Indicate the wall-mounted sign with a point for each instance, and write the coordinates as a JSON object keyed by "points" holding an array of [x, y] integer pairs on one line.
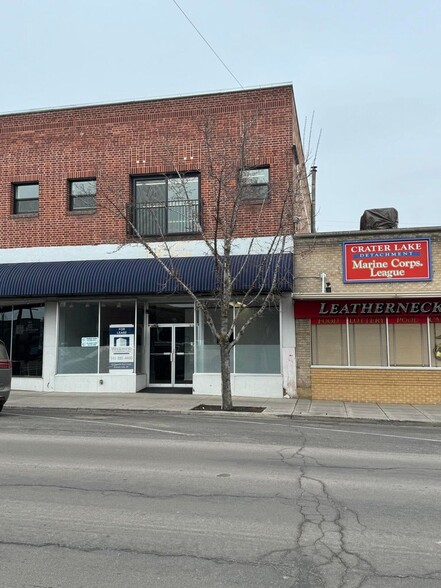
{"points": [[89, 341], [403, 260], [360, 310], [121, 348]]}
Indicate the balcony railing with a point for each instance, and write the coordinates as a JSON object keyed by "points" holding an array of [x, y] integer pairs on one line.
{"points": [[153, 219]]}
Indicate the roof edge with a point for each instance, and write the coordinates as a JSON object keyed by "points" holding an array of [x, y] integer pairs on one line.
{"points": [[141, 100], [375, 232]]}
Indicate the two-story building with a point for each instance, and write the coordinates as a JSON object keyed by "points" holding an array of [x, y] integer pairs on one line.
{"points": [[90, 196]]}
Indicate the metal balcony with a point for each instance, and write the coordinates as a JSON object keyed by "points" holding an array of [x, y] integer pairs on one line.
{"points": [[157, 219]]}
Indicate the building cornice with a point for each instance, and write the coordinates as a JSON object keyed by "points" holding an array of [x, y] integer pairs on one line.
{"points": [[360, 235]]}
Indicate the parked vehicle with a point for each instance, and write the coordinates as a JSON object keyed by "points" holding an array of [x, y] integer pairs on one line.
{"points": [[5, 374]]}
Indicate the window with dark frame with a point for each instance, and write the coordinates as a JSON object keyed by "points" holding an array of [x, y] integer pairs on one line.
{"points": [[26, 198], [82, 194], [254, 183], [166, 205]]}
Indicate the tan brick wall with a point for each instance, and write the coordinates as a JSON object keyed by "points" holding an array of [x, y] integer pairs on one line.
{"points": [[319, 253], [391, 386], [303, 357]]}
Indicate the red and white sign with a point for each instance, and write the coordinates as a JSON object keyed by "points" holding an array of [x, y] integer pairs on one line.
{"points": [[405, 260], [367, 311]]}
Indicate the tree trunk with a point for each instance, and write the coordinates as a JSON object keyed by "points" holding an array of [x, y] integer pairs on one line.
{"points": [[227, 402]]}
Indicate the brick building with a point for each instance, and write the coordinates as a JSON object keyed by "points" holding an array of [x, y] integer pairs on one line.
{"points": [[80, 185], [368, 309]]}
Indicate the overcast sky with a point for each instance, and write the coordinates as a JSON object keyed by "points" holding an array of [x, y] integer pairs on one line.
{"points": [[368, 69]]}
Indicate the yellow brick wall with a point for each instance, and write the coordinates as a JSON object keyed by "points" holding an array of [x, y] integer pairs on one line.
{"points": [[391, 386], [303, 357], [314, 254]]}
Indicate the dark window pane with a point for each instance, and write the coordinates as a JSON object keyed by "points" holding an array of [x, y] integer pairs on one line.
{"points": [[26, 198], [83, 202], [255, 183], [28, 206], [78, 338], [150, 191], [5, 326], [27, 340], [170, 313], [82, 194], [168, 205], [255, 192]]}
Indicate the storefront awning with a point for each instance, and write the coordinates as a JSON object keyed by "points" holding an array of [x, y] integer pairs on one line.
{"points": [[138, 276]]}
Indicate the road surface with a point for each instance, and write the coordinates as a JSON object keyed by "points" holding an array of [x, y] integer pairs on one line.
{"points": [[201, 501]]}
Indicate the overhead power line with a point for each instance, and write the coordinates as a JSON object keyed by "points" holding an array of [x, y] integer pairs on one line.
{"points": [[207, 43]]}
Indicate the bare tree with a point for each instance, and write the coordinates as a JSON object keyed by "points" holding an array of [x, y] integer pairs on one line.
{"points": [[240, 191]]}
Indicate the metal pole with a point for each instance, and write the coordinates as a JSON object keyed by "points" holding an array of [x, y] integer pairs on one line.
{"points": [[313, 175]]}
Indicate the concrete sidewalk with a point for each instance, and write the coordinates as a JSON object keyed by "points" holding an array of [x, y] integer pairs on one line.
{"points": [[184, 403]]}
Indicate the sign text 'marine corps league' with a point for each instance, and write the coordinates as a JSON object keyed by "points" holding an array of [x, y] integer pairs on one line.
{"points": [[404, 260]]}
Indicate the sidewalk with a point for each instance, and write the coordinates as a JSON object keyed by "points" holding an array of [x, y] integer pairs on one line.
{"points": [[184, 403]]}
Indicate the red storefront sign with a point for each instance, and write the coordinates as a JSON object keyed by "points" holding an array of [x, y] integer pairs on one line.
{"points": [[405, 260], [368, 311]]}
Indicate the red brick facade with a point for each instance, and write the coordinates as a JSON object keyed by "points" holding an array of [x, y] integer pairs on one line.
{"points": [[113, 143]]}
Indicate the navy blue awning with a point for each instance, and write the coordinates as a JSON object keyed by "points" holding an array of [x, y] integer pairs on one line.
{"points": [[138, 276]]}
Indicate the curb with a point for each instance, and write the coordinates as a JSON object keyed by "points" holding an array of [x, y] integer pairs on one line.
{"points": [[222, 414]]}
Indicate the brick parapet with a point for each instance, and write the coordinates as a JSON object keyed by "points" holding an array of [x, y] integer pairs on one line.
{"points": [[118, 141]]}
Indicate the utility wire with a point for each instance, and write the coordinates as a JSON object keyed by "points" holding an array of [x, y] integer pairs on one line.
{"points": [[207, 43]]}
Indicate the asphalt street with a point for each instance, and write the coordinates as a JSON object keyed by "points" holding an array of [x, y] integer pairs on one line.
{"points": [[193, 501]]}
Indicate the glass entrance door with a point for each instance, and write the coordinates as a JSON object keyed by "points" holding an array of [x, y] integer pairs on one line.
{"points": [[171, 355]]}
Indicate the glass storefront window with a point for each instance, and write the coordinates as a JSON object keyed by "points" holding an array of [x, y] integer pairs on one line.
{"points": [[207, 349], [78, 338], [170, 313], [140, 357], [258, 350], [83, 347], [27, 340], [113, 313], [6, 326]]}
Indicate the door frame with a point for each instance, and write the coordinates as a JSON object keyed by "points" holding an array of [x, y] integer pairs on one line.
{"points": [[173, 326]]}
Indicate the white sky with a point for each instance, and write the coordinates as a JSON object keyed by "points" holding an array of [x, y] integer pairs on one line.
{"points": [[369, 69]]}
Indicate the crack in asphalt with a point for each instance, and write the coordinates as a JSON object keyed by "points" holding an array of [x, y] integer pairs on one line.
{"points": [[321, 545], [140, 552], [109, 491]]}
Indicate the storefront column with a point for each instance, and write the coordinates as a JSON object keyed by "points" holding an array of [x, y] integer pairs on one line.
{"points": [[288, 338], [50, 346]]}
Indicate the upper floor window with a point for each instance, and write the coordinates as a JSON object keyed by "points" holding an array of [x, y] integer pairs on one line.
{"points": [[82, 194], [26, 198], [255, 183], [165, 205]]}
